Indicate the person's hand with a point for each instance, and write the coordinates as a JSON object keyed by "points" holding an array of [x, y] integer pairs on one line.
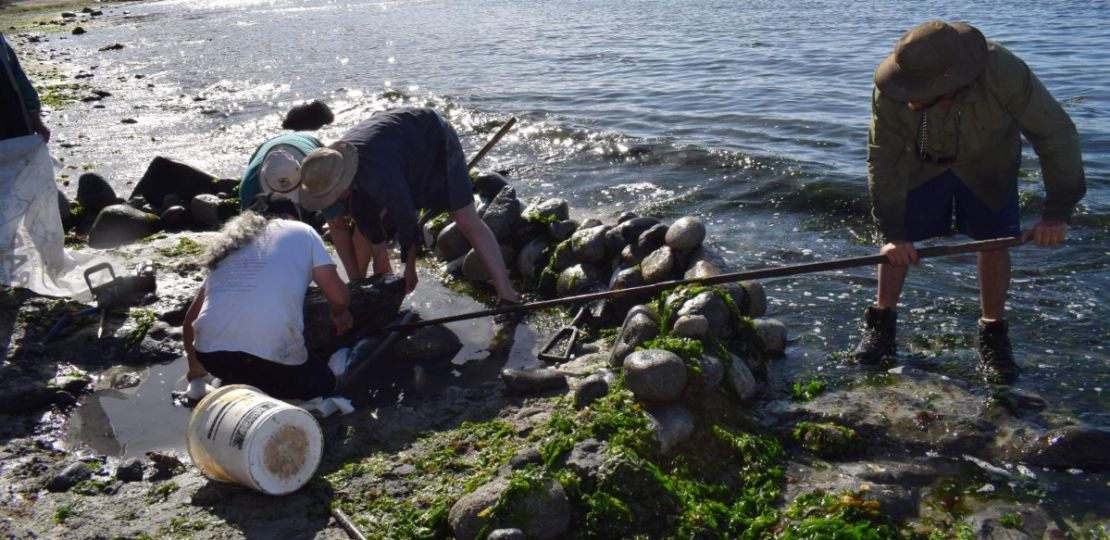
{"points": [[343, 322], [1047, 233], [40, 128], [410, 277], [900, 253]]}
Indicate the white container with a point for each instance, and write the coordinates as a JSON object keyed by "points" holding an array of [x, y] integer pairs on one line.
{"points": [[238, 434]]}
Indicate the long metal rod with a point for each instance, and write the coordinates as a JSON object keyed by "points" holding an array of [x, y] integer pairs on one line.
{"points": [[346, 524], [781, 271], [485, 149]]}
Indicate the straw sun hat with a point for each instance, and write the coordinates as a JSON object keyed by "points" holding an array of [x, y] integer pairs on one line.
{"points": [[932, 60], [326, 173], [281, 173]]}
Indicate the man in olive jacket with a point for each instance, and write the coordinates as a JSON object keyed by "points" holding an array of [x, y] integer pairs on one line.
{"points": [[947, 112]]}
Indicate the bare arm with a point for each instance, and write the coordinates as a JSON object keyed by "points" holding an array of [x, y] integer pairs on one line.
{"points": [[196, 370], [343, 240], [337, 295]]}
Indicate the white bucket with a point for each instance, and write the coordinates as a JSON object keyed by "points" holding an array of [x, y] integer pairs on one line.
{"points": [[240, 435]]}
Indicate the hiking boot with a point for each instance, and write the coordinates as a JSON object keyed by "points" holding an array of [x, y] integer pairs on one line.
{"points": [[996, 357], [879, 327]]}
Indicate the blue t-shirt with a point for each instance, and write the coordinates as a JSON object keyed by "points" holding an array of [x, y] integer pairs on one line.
{"points": [[297, 144]]}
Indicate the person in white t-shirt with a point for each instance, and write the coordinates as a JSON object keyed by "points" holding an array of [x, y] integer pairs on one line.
{"points": [[246, 324]]}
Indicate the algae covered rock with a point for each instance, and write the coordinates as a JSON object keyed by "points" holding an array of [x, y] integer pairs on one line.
{"points": [[120, 224]]}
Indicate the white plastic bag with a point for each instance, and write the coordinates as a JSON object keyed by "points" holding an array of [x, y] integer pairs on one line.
{"points": [[32, 252]]}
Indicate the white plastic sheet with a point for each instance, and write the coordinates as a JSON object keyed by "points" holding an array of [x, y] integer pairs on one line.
{"points": [[32, 252]]}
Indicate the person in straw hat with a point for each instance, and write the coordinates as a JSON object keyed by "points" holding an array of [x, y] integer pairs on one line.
{"points": [[246, 324], [388, 167], [946, 113], [275, 167]]}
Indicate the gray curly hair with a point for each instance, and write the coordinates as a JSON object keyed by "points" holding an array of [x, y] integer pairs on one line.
{"points": [[238, 232]]}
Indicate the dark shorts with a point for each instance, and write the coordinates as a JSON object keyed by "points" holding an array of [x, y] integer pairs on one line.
{"points": [[306, 381], [931, 207], [460, 190]]}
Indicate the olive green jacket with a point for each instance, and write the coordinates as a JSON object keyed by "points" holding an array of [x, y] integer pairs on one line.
{"points": [[978, 139]]}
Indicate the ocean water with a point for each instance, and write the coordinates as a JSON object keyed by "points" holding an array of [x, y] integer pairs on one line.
{"points": [[752, 115]]}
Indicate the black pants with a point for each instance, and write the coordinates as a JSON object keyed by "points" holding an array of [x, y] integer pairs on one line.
{"points": [[306, 381]]}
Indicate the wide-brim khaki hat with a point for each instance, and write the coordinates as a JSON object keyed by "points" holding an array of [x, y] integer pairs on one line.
{"points": [[932, 60], [326, 173]]}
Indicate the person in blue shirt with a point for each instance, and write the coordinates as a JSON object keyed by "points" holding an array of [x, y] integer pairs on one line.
{"points": [[275, 167], [387, 168], [18, 100]]}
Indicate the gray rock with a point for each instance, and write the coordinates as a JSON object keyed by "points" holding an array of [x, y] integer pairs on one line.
{"points": [[489, 184], [528, 258], [65, 210], [205, 208], [73, 385], [633, 228], [586, 459], [701, 269], [578, 279], [1071, 447], [451, 243], [507, 534], [756, 299], [588, 244], [164, 177], [563, 257], [502, 216], [542, 514], [70, 476], [711, 374], [519, 381], [590, 390], [120, 224], [548, 209], [523, 458], [175, 218], [691, 326], [590, 223], [94, 193], [741, 379], [625, 216], [685, 234], [709, 305], [640, 325], [473, 269], [630, 257], [772, 332], [23, 394], [430, 342], [652, 239], [130, 470], [308, 116], [614, 240], [655, 375], [671, 424], [658, 265], [561, 230]]}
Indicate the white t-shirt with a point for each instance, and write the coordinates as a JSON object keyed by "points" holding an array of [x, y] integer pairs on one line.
{"points": [[254, 300]]}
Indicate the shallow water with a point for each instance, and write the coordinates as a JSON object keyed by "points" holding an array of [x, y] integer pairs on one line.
{"points": [[753, 115]]}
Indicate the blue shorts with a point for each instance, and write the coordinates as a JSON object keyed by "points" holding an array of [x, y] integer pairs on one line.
{"points": [[931, 206]]}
